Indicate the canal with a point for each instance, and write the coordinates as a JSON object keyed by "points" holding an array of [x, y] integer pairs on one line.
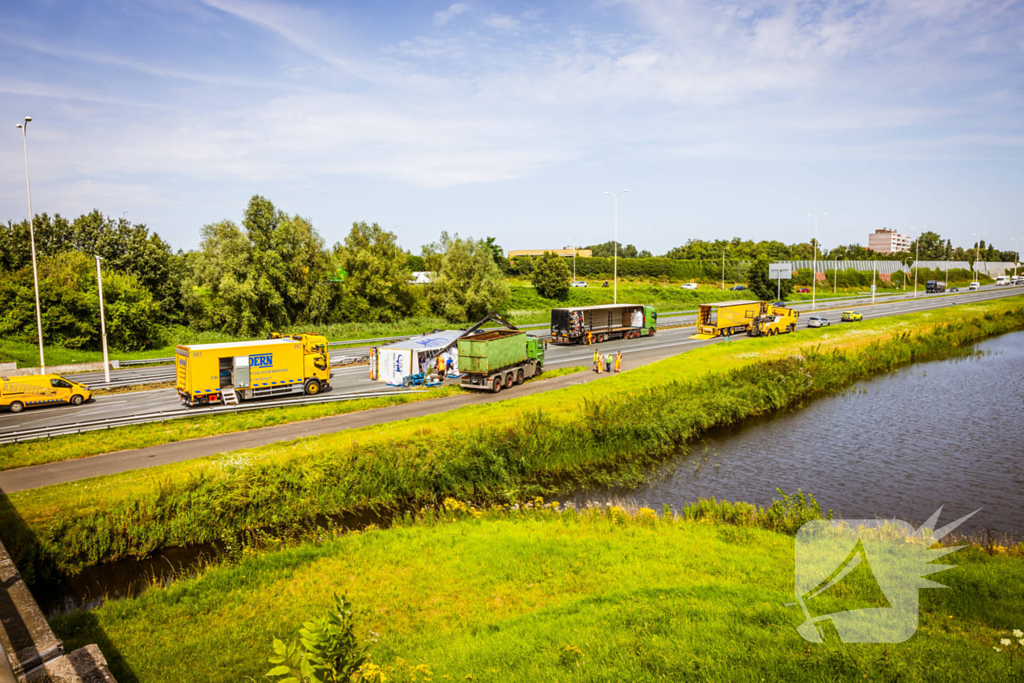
{"points": [[941, 433]]}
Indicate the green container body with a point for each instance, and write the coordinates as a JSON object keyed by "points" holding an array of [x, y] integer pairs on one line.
{"points": [[482, 354]]}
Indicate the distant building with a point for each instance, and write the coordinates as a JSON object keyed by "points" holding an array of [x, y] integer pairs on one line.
{"points": [[581, 253], [886, 241]]}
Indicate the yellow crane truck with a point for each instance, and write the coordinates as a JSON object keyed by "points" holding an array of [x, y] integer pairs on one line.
{"points": [[756, 318], [236, 371], [773, 320]]}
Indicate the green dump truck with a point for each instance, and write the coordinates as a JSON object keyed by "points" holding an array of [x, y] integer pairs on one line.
{"points": [[492, 359]]}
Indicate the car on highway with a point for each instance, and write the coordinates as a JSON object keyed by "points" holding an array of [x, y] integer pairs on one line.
{"points": [[974, 286], [605, 284], [818, 321], [804, 290], [780, 304], [689, 285], [32, 391], [739, 288], [852, 317], [954, 289], [578, 283]]}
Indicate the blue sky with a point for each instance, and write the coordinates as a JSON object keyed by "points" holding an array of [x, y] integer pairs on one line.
{"points": [[511, 119]]}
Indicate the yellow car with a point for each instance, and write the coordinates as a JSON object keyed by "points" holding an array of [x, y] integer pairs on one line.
{"points": [[30, 391], [852, 317]]}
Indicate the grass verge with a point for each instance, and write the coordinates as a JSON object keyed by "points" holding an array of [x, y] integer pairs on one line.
{"points": [[541, 595], [84, 445], [608, 432]]}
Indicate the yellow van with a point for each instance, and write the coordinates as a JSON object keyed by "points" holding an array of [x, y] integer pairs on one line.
{"points": [[18, 393]]}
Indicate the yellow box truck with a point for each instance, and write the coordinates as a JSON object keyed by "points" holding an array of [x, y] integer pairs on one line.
{"points": [[236, 371], [727, 317], [31, 391]]}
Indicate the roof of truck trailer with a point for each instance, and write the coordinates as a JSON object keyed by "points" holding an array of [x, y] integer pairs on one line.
{"points": [[578, 308], [733, 303], [439, 339], [255, 342]]}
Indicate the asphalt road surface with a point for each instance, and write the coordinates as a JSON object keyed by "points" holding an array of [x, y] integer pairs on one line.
{"points": [[635, 353]]}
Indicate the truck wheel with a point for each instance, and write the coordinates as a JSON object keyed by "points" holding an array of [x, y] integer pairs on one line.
{"points": [[540, 369], [496, 385], [520, 378], [77, 400], [509, 380], [312, 387], [650, 333], [600, 338], [16, 407]]}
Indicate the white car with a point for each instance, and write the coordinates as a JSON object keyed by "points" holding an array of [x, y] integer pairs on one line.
{"points": [[690, 285], [974, 286], [818, 321], [578, 283]]}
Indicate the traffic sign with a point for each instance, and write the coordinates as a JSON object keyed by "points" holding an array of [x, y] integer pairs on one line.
{"points": [[780, 271]]}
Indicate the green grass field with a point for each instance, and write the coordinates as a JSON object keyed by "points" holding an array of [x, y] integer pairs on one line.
{"points": [[548, 596]]}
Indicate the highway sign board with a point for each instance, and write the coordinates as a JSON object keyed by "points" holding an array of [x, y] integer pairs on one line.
{"points": [[780, 271]]}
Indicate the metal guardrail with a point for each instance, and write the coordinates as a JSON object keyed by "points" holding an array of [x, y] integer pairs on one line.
{"points": [[164, 416]]}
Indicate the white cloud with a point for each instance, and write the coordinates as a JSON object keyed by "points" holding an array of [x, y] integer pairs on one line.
{"points": [[444, 16], [502, 22]]}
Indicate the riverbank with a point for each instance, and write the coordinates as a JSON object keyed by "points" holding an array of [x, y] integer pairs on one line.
{"points": [[525, 595], [600, 433]]}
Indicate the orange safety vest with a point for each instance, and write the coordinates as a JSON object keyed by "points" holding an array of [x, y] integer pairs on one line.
{"points": [[618, 361]]}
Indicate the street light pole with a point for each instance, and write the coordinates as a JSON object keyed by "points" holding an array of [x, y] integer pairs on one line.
{"points": [[814, 273], [723, 267], [32, 239], [917, 256], [977, 252], [103, 323], [615, 296], [574, 245]]}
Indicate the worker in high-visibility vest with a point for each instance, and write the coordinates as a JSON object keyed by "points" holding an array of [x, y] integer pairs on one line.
{"points": [[597, 361], [440, 366], [618, 361], [590, 337]]}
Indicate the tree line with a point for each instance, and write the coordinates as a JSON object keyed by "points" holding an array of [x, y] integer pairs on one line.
{"points": [[271, 271]]}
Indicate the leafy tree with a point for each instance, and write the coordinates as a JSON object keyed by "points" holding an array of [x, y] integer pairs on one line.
{"points": [[468, 283], [762, 286], [550, 276], [70, 302], [607, 249], [376, 286]]}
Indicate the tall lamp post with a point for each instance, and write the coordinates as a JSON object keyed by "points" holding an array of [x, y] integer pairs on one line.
{"points": [[103, 323], [723, 266], [814, 274], [574, 245], [1016, 258], [615, 295], [32, 239], [917, 256], [977, 251]]}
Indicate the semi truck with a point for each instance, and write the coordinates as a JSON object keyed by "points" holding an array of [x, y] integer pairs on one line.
{"points": [[491, 360], [609, 321], [934, 287], [237, 371]]}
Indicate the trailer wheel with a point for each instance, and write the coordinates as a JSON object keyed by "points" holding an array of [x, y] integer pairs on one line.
{"points": [[520, 378], [16, 407], [312, 387], [496, 385], [600, 338]]}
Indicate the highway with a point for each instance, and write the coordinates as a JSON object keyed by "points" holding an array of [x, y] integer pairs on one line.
{"points": [[355, 379], [635, 353]]}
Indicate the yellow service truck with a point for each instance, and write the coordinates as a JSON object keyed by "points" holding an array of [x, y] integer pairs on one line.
{"points": [[773, 320], [229, 373]]}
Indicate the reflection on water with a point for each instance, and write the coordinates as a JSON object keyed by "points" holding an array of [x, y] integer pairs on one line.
{"points": [[942, 433]]}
